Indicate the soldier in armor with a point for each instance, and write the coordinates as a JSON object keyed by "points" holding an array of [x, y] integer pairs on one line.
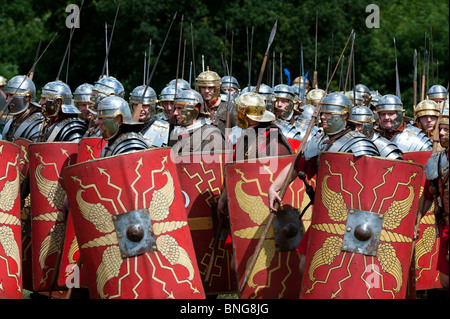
{"points": [[230, 85], [181, 84], [299, 81], [105, 86], [393, 127], [338, 137], [208, 85], [302, 122], [82, 100], [314, 96], [154, 131], [437, 93], [426, 114], [116, 126], [362, 95], [284, 110], [166, 100], [63, 122], [27, 117], [363, 119], [194, 133], [436, 191]]}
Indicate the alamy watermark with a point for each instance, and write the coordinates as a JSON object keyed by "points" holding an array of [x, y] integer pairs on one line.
{"points": [[73, 19], [373, 19]]}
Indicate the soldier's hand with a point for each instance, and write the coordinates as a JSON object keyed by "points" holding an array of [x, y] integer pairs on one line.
{"points": [[273, 198]]}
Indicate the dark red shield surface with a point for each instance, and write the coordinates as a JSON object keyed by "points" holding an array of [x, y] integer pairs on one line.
{"points": [[362, 228], [48, 223], [427, 245], [276, 272], [132, 228], [202, 180], [295, 144], [90, 148], [10, 224]]}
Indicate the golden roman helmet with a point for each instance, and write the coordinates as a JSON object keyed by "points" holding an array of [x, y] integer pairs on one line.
{"points": [[427, 107], [2, 80], [314, 96], [209, 79], [251, 105], [299, 81]]}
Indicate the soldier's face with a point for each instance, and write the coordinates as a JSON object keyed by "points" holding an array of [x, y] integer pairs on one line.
{"points": [[443, 134], [428, 122], [84, 109], [177, 112], [207, 92], [324, 118], [229, 90], [358, 127], [168, 107], [387, 119]]}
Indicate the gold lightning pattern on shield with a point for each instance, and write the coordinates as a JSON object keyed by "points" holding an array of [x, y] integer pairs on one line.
{"points": [[337, 212], [112, 261]]}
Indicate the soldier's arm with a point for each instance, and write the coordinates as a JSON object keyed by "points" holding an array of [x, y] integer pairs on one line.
{"points": [[277, 184]]}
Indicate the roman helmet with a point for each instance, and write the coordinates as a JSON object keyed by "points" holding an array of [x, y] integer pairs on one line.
{"points": [[20, 87], [361, 114], [108, 109], [426, 107], [362, 95], [230, 82], [437, 92], [106, 86], [181, 84], [251, 105], [336, 104], [299, 81], [314, 96], [209, 79], [391, 102], [83, 93], [191, 102], [283, 91], [150, 98], [54, 91]]}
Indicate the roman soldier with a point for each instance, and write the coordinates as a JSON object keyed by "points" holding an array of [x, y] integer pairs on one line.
{"points": [[116, 126], [437, 93], [426, 114], [436, 191], [194, 133], [63, 122], [314, 96], [82, 100], [208, 85], [362, 95], [302, 122], [230, 86], [299, 81], [338, 137], [392, 126], [363, 119], [27, 116], [284, 110]]}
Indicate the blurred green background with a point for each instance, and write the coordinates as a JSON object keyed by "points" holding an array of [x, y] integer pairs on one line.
{"points": [[24, 22]]}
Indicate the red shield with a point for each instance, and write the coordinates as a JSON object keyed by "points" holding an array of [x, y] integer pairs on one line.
{"points": [[201, 179], [90, 148], [24, 163], [10, 225], [295, 144], [47, 190], [276, 272], [427, 245], [132, 228], [362, 228]]}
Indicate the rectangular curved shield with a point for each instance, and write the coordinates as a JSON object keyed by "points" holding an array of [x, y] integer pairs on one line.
{"points": [[132, 228], [362, 228]]}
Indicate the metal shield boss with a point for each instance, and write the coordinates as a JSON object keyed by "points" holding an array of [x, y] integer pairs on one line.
{"points": [[362, 228], [202, 180], [132, 228], [10, 224], [427, 245], [48, 222], [276, 272]]}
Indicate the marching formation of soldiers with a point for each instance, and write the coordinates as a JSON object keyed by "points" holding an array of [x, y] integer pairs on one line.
{"points": [[217, 117]]}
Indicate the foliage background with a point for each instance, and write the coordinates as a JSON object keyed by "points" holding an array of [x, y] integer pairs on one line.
{"points": [[24, 22]]}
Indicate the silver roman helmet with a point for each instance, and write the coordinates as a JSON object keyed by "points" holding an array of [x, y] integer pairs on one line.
{"points": [[362, 95], [150, 98], [108, 109], [181, 84], [20, 87], [54, 91], [266, 93], [83, 93], [191, 102], [106, 86], [361, 114], [283, 91], [230, 82], [437, 92], [391, 102], [336, 104]]}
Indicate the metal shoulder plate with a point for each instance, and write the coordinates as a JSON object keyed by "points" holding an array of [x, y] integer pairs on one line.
{"points": [[287, 129], [71, 129], [157, 134], [314, 146], [125, 143], [356, 143], [302, 126], [412, 139], [386, 148], [437, 166], [30, 128]]}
